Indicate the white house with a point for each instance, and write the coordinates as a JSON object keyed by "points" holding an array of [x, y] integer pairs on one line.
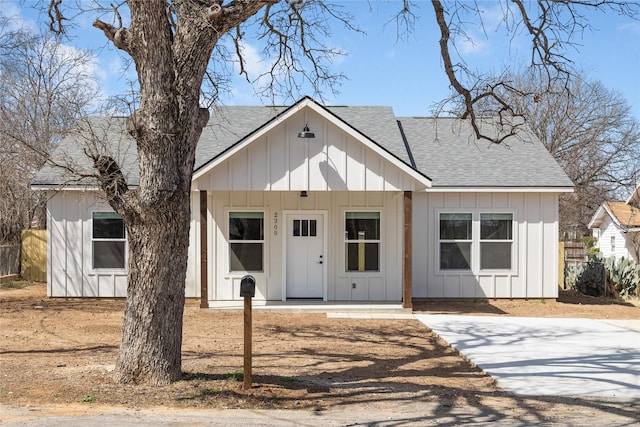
{"points": [[616, 226], [373, 207]]}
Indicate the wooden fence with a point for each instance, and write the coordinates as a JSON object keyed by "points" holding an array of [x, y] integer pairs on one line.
{"points": [[34, 255], [9, 260]]}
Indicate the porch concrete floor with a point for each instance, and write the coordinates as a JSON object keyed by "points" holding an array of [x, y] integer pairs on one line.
{"points": [[333, 308]]}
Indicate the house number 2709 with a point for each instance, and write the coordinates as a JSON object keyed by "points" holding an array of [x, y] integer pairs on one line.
{"points": [[275, 223]]}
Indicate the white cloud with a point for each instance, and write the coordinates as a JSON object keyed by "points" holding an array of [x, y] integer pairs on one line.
{"points": [[630, 27], [16, 21]]}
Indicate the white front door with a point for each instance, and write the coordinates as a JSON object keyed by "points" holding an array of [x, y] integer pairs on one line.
{"points": [[305, 255]]}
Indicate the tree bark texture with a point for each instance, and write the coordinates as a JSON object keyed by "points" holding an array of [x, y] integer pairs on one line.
{"points": [[171, 48]]}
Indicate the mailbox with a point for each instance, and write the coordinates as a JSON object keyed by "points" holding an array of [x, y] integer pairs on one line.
{"points": [[248, 286]]}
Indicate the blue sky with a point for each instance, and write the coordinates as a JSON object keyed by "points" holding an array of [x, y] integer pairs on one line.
{"points": [[407, 74]]}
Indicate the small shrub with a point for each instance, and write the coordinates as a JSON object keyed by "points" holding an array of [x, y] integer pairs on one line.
{"points": [[236, 376], [88, 399], [588, 279], [209, 391], [11, 285], [290, 380], [623, 276]]}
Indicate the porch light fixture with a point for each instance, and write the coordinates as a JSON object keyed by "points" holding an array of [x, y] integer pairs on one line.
{"points": [[303, 193], [306, 133]]}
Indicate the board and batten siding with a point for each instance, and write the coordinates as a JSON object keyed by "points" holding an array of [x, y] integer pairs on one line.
{"points": [[385, 285], [280, 161], [69, 249], [534, 272]]}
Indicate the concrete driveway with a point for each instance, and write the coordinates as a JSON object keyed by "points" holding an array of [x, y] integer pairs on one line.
{"points": [[548, 357]]}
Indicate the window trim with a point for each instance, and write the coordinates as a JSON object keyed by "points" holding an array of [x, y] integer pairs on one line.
{"points": [[265, 251], [475, 242], [125, 239], [345, 241]]}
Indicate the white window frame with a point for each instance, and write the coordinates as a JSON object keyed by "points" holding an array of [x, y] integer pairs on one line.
{"points": [[105, 239], [345, 242], [470, 241], [475, 242], [481, 240], [232, 272]]}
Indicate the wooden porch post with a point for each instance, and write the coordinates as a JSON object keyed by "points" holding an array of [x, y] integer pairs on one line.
{"points": [[407, 278], [204, 285]]}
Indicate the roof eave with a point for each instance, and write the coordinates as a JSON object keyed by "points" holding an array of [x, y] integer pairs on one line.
{"points": [[502, 189]]}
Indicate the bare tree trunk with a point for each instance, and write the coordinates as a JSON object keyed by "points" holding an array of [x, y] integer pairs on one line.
{"points": [[152, 332]]}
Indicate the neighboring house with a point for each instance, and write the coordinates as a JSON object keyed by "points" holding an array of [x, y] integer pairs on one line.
{"points": [[616, 225], [373, 207]]}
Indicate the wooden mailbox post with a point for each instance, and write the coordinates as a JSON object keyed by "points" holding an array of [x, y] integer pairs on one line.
{"points": [[248, 291]]}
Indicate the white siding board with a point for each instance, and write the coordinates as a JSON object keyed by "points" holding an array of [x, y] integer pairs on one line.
{"points": [[192, 279], [503, 200], [354, 166], [279, 175], [374, 175], [56, 245], [106, 285], [468, 200], [336, 167], [486, 287], [502, 287], [298, 167], [259, 166], [535, 245], [452, 200], [240, 171], [535, 249], [452, 286], [120, 286], [550, 240], [469, 287], [485, 200], [317, 165], [76, 285]]}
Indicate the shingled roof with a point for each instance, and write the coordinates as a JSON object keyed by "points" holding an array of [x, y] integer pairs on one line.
{"points": [[445, 150], [623, 215]]}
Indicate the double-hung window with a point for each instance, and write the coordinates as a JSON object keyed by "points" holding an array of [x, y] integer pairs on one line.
{"points": [[362, 241], [456, 237], [476, 241], [246, 241], [108, 240], [496, 241]]}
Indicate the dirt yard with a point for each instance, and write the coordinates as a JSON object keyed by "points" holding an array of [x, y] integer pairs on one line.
{"points": [[59, 352]]}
